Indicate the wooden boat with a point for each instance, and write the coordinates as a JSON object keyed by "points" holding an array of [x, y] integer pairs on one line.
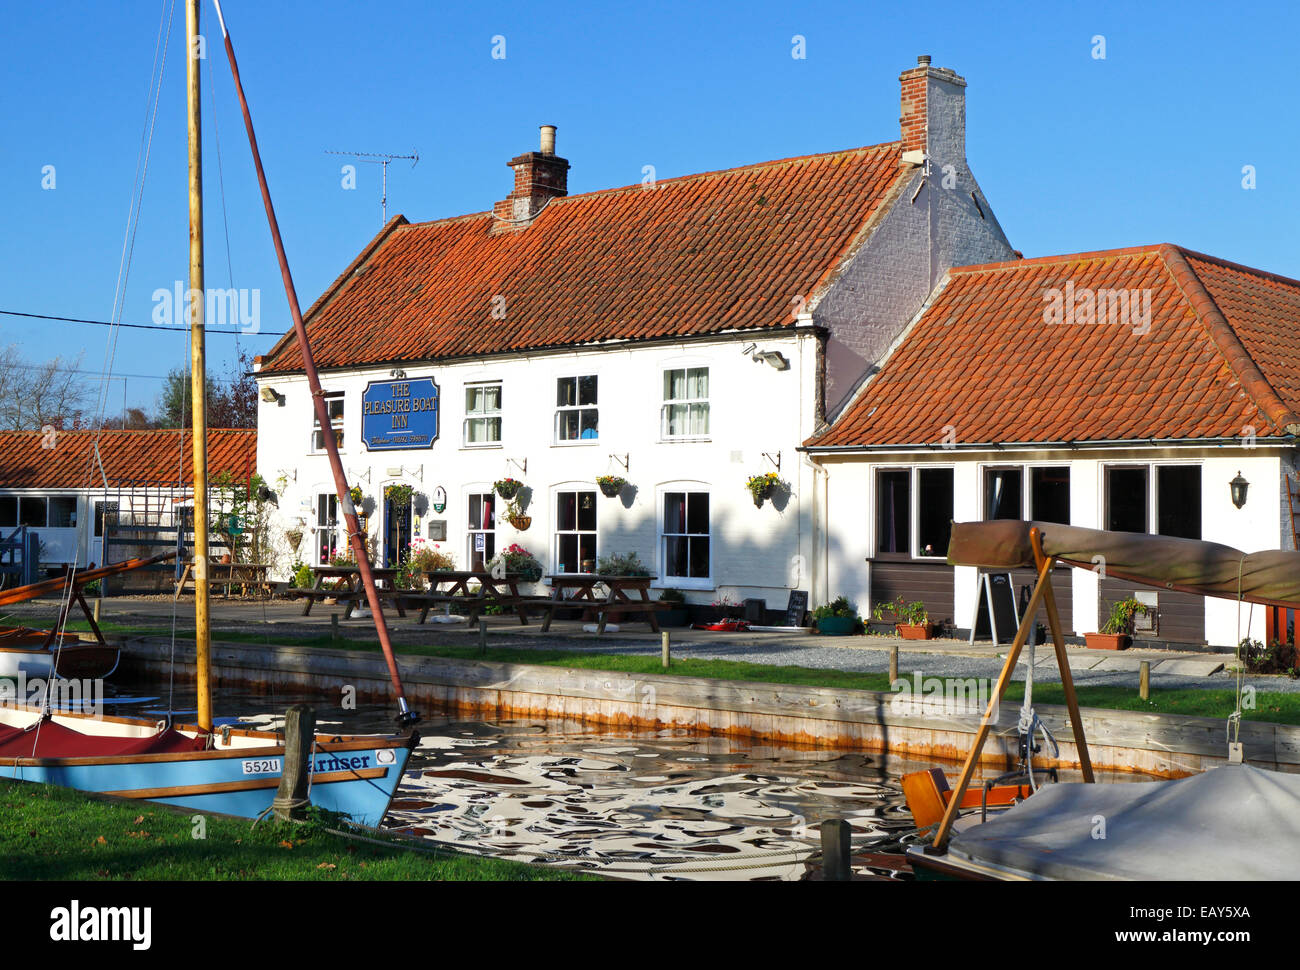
{"points": [[26, 652], [229, 770], [1206, 826]]}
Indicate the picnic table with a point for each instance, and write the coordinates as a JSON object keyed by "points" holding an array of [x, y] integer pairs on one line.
{"points": [[246, 575], [346, 587], [451, 587], [614, 603]]}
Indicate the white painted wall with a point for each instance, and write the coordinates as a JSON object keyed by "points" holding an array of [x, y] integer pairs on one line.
{"points": [[754, 408]]}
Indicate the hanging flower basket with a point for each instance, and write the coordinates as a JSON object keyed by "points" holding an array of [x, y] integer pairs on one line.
{"points": [[762, 486], [520, 522], [356, 495], [508, 488], [295, 537], [399, 495], [610, 485]]}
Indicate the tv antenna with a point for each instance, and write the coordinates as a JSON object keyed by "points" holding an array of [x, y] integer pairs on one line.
{"points": [[383, 161]]}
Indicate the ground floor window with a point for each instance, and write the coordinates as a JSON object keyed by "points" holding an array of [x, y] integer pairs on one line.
{"points": [[1049, 494], [893, 505], [63, 512], [1174, 505], [8, 511], [934, 510], [482, 541], [1004, 493], [575, 532], [328, 544], [686, 535], [32, 511]]}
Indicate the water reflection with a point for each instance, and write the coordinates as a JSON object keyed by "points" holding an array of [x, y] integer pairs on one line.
{"points": [[656, 806]]}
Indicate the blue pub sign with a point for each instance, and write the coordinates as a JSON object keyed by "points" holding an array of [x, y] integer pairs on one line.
{"points": [[399, 414]]}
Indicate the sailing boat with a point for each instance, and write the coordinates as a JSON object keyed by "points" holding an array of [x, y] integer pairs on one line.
{"points": [[231, 770], [1206, 826]]}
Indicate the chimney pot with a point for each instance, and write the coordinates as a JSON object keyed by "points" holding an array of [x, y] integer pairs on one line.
{"points": [[923, 60], [548, 139]]}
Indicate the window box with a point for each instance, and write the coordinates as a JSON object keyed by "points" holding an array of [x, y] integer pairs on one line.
{"points": [[1108, 641]]}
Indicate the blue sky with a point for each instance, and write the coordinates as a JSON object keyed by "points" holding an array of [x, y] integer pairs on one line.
{"points": [[1074, 152]]}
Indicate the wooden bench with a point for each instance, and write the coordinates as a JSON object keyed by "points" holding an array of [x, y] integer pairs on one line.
{"points": [[603, 611]]}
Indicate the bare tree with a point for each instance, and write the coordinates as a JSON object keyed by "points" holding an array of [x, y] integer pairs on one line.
{"points": [[33, 396]]}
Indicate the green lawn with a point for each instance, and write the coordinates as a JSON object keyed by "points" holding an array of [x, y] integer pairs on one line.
{"points": [[56, 833], [1275, 707]]}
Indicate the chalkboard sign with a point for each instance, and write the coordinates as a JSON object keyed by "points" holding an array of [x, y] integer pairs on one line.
{"points": [[996, 615], [796, 608]]}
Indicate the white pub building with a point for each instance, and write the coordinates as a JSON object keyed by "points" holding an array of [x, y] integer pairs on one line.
{"points": [[683, 334]]}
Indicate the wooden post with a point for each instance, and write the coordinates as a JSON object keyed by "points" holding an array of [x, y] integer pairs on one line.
{"points": [[94, 608], [893, 663], [837, 850], [291, 799], [667, 651], [482, 635], [1144, 680]]}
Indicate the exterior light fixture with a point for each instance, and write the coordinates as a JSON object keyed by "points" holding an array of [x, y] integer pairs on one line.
{"points": [[270, 395], [1238, 487], [773, 357]]}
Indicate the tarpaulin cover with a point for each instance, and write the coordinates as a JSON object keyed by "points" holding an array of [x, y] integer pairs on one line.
{"points": [[1205, 568], [1232, 822], [57, 741]]}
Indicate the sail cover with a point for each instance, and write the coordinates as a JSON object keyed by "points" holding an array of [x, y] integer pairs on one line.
{"points": [[1190, 565], [1205, 827]]}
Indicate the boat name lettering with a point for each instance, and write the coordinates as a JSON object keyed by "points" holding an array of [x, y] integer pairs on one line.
{"points": [[261, 766]]}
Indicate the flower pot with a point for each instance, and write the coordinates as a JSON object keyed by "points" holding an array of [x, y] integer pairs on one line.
{"points": [[1108, 641], [837, 626], [588, 565], [520, 522], [508, 492], [915, 631], [610, 490]]}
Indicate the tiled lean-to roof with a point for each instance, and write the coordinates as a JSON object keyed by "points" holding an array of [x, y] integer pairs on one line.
{"points": [[989, 362], [700, 254], [65, 459]]}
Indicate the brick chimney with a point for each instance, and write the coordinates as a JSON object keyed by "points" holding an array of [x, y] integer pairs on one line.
{"points": [[539, 177], [933, 119]]}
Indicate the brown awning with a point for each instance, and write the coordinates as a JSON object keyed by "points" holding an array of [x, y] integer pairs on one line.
{"points": [[1190, 565]]}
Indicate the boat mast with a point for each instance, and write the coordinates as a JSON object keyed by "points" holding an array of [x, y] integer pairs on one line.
{"points": [[356, 537], [198, 378]]}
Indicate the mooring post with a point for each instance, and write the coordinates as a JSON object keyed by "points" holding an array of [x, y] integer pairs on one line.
{"points": [[893, 662], [482, 635], [334, 626], [665, 638], [837, 848], [291, 799], [1144, 680]]}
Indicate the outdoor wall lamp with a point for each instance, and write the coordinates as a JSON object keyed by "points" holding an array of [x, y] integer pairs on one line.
{"points": [[271, 396], [1238, 487]]}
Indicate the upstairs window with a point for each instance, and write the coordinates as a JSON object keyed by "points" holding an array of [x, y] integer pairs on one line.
{"points": [[686, 403], [333, 407], [483, 414], [576, 416]]}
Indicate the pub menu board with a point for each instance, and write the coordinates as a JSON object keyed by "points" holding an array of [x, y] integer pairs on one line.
{"points": [[796, 608], [996, 599]]}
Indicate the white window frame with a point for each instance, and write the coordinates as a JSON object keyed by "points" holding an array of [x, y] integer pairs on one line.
{"points": [[578, 488], [576, 408], [335, 529], [682, 582], [1026, 484], [484, 416], [915, 498], [336, 423], [1153, 489], [688, 402]]}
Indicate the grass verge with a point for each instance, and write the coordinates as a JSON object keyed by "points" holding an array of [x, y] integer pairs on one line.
{"points": [[57, 833]]}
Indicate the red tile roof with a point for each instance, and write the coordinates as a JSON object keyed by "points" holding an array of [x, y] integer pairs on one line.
{"points": [[700, 254], [1221, 356], [145, 457]]}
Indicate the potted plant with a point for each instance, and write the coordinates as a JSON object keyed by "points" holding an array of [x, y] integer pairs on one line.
{"points": [[762, 486], [913, 621], [610, 485], [837, 618], [677, 614], [627, 564], [424, 557], [515, 516], [1117, 632], [356, 495], [516, 559], [508, 488]]}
